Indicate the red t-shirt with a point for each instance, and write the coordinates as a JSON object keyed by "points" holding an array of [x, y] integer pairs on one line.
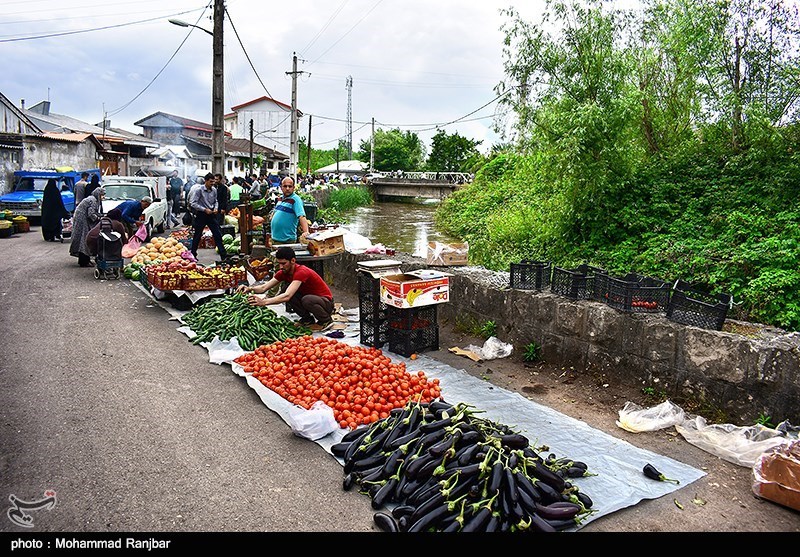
{"points": [[311, 282]]}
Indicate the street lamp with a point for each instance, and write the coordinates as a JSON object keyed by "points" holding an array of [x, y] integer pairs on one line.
{"points": [[217, 92], [180, 23]]}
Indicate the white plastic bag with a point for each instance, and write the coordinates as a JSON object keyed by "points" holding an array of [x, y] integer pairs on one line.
{"points": [[740, 445], [492, 349], [636, 419], [314, 423]]}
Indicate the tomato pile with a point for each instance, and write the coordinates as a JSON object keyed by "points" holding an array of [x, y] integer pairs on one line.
{"points": [[361, 384]]}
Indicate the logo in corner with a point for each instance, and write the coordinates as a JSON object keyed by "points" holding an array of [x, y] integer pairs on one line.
{"points": [[17, 512]]}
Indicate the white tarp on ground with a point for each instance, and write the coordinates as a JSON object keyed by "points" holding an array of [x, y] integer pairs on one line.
{"points": [[619, 482]]}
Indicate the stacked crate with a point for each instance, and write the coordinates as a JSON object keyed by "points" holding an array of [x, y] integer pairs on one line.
{"points": [[373, 318], [412, 330]]}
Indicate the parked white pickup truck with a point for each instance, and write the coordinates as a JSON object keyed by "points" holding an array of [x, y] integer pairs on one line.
{"points": [[122, 188]]}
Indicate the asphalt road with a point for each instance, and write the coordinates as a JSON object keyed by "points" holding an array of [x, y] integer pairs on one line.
{"points": [[106, 403]]}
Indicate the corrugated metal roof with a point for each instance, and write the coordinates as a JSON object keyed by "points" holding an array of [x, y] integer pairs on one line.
{"points": [[8, 146]]}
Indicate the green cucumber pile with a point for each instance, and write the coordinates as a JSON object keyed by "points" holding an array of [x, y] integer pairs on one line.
{"points": [[443, 469], [231, 316]]}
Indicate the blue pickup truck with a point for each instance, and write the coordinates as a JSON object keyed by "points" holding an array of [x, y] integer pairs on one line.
{"points": [[26, 197]]}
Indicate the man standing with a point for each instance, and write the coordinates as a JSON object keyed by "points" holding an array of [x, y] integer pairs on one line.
{"points": [[223, 197], [80, 188], [203, 203], [132, 213], [289, 214], [306, 292], [234, 192], [174, 199]]}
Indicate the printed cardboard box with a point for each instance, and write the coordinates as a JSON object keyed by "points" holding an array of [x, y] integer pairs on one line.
{"points": [[326, 242], [447, 255], [415, 289]]}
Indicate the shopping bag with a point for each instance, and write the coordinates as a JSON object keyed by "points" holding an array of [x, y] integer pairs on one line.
{"points": [[136, 241]]}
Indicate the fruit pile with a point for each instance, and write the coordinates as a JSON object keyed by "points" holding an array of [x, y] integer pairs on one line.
{"points": [[361, 384], [159, 250]]}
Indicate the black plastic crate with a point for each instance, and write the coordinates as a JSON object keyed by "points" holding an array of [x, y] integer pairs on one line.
{"points": [[598, 283], [409, 319], [372, 313], [571, 283], [406, 343], [530, 275], [635, 293], [695, 306], [374, 333]]}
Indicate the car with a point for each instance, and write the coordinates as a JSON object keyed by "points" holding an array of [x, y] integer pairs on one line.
{"points": [[26, 197], [122, 188]]}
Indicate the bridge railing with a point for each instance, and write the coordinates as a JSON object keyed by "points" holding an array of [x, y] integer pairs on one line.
{"points": [[449, 177]]}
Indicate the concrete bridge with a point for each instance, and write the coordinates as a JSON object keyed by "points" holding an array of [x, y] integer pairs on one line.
{"points": [[428, 185]]}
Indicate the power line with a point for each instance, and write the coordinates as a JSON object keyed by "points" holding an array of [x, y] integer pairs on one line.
{"points": [[247, 55], [146, 87], [347, 32], [79, 31], [323, 28]]}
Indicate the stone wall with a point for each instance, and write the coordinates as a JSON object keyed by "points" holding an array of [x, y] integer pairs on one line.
{"points": [[742, 376]]}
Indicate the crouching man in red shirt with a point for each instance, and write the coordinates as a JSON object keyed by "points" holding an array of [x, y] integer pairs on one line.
{"points": [[306, 292]]}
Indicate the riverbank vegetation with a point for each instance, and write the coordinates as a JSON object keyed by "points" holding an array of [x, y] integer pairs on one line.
{"points": [[342, 199], [662, 142]]}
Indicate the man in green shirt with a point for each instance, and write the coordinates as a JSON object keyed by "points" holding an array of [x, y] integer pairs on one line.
{"points": [[235, 191]]}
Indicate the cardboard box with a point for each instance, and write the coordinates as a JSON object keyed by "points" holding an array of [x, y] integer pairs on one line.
{"points": [[447, 255], [415, 288], [326, 242]]}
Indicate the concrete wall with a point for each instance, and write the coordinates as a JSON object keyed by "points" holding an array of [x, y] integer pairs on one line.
{"points": [[740, 376]]}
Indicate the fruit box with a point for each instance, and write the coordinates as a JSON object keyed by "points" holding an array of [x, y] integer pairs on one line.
{"points": [[326, 242], [447, 255], [415, 288]]}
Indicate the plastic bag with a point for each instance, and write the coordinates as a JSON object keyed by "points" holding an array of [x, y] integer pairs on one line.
{"points": [[136, 241], [636, 419], [492, 349], [740, 445], [777, 475], [314, 423]]}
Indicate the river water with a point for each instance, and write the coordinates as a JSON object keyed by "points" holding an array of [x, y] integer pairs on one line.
{"points": [[403, 226]]}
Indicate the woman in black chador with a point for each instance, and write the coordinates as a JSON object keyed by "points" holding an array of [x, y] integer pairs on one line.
{"points": [[53, 211]]}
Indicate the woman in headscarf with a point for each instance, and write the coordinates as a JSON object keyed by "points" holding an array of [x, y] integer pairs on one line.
{"points": [[53, 211], [93, 185], [87, 214], [112, 220]]}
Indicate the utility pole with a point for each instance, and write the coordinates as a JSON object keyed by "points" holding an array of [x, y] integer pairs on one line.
{"points": [[293, 148], [218, 94], [372, 148], [308, 148], [251, 145], [349, 131]]}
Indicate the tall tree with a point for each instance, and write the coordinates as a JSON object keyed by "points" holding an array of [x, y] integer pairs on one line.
{"points": [[394, 150], [453, 153]]}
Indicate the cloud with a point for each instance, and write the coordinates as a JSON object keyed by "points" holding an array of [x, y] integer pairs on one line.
{"points": [[414, 63]]}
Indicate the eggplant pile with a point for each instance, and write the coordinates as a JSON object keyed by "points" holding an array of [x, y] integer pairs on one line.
{"points": [[441, 468]]}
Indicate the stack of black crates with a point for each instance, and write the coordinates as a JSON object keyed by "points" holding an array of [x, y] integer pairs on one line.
{"points": [[413, 330], [372, 312]]}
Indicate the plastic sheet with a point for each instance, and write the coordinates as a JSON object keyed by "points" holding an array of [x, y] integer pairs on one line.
{"points": [[636, 419]]}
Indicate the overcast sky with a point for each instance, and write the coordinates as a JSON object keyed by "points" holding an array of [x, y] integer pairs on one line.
{"points": [[414, 63]]}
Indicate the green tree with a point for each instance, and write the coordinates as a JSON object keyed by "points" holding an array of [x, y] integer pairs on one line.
{"points": [[394, 150], [453, 153]]}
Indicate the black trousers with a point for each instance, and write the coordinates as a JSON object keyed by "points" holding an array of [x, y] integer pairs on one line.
{"points": [[201, 220], [308, 305]]}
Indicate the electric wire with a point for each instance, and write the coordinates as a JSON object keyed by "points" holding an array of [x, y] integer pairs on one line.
{"points": [[80, 31], [164, 67], [246, 55], [348, 31]]}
